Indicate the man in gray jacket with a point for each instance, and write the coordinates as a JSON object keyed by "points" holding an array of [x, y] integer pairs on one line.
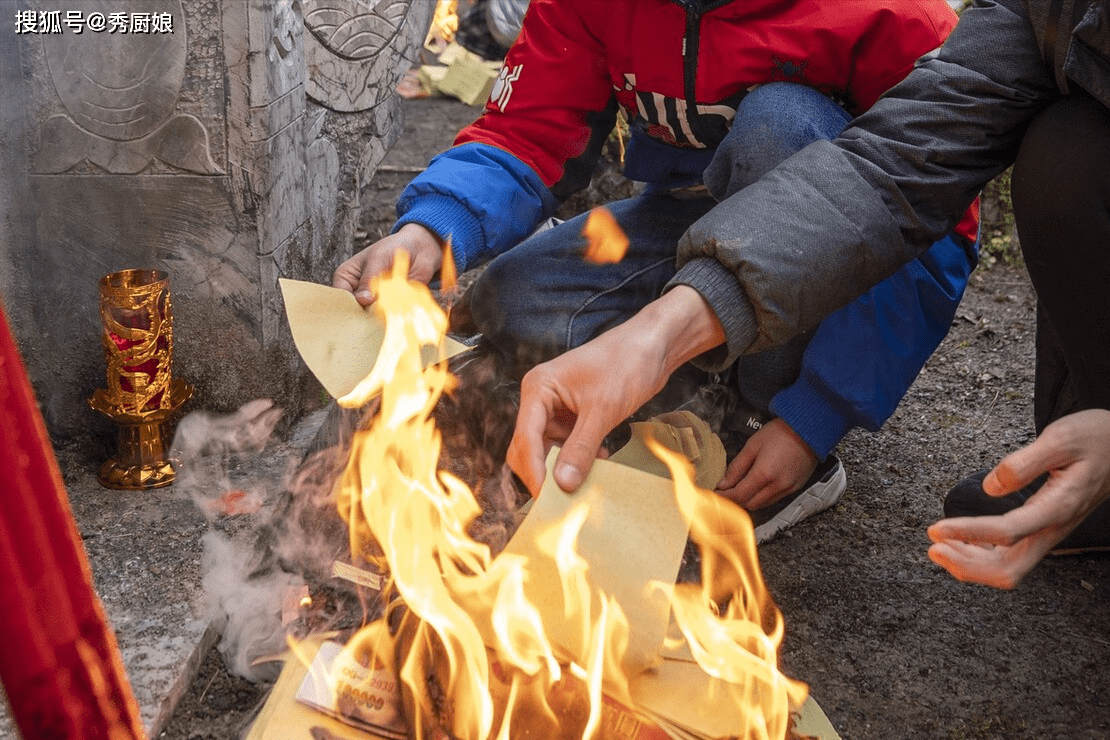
{"points": [[1021, 82]]}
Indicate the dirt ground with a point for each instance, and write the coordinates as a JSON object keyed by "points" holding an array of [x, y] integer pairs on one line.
{"points": [[891, 646]]}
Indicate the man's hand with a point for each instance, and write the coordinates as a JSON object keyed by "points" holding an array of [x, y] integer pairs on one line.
{"points": [[999, 550], [774, 462], [425, 260], [580, 396]]}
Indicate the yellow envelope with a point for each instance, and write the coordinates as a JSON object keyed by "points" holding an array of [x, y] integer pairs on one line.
{"points": [[634, 534], [339, 339]]}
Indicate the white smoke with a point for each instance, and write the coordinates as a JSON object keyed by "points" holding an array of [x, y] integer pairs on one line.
{"points": [[246, 605], [274, 526], [237, 476]]}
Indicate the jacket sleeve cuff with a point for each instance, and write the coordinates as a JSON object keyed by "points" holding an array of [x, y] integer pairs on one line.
{"points": [[813, 414], [720, 289], [447, 217]]}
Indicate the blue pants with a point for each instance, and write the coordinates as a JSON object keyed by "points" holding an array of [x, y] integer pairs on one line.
{"points": [[541, 298]]}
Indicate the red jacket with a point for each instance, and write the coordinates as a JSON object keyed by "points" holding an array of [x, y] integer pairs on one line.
{"points": [[660, 58], [679, 69]]}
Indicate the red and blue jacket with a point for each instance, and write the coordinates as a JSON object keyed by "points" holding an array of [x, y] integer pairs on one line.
{"points": [[678, 69]]}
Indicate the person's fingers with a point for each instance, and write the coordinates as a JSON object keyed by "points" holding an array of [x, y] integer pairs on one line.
{"points": [[736, 471], [998, 566], [579, 452], [981, 530], [767, 495], [425, 264], [753, 496], [975, 564], [344, 279], [750, 489], [353, 276], [377, 263], [1022, 467], [527, 449]]}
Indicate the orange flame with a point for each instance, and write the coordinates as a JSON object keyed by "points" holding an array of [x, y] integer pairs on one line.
{"points": [[448, 275], [605, 242], [473, 626], [738, 645]]}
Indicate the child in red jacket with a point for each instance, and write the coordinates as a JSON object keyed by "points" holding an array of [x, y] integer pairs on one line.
{"points": [[716, 93]]}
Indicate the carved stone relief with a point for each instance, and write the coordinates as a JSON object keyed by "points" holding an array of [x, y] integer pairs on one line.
{"points": [[347, 70], [120, 91]]}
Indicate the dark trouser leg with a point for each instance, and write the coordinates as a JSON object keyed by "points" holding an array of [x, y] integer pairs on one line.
{"points": [[1061, 195]]}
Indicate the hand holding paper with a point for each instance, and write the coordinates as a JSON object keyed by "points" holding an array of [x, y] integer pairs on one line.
{"points": [[339, 339]]}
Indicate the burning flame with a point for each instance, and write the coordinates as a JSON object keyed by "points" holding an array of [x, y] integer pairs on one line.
{"points": [[445, 21], [605, 242], [473, 653], [448, 275], [730, 621]]}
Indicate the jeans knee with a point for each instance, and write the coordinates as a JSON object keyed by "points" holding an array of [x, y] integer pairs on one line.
{"points": [[772, 122], [508, 307], [790, 110]]}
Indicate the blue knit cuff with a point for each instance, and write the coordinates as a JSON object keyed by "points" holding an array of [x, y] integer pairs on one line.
{"points": [[812, 414], [446, 217]]}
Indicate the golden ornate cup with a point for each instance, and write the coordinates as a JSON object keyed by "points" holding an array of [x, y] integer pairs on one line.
{"points": [[138, 345]]}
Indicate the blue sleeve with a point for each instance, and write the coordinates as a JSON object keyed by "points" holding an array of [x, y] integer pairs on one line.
{"points": [[482, 197], [863, 358]]}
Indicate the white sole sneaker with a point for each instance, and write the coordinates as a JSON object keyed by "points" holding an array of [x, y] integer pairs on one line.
{"points": [[808, 501]]}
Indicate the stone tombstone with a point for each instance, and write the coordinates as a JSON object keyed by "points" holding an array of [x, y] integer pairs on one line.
{"points": [[226, 142]]}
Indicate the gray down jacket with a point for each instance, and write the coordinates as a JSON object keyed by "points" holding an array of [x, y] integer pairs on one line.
{"points": [[839, 217]]}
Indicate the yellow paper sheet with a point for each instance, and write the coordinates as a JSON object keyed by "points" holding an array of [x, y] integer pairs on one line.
{"points": [[338, 339], [682, 432], [634, 534], [681, 694]]}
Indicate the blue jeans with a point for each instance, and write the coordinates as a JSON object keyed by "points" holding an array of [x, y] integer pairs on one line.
{"points": [[541, 298]]}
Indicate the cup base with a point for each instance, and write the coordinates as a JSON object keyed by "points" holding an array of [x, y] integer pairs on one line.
{"points": [[121, 476]]}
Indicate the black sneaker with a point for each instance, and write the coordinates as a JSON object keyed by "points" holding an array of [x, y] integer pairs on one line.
{"points": [[967, 498], [823, 489]]}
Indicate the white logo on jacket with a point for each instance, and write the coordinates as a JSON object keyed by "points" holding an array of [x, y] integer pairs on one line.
{"points": [[503, 86]]}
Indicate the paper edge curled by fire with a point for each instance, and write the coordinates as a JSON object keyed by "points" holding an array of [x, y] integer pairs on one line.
{"points": [[635, 535], [338, 338]]}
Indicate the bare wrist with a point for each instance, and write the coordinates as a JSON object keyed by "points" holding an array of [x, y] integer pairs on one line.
{"points": [[682, 324], [422, 234]]}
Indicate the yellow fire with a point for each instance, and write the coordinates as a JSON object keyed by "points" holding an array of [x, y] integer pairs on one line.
{"points": [[445, 21], [605, 242], [738, 645], [471, 626]]}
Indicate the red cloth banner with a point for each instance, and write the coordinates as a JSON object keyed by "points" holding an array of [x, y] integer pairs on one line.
{"points": [[60, 664]]}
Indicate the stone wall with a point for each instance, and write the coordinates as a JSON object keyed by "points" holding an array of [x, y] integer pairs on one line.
{"points": [[224, 141]]}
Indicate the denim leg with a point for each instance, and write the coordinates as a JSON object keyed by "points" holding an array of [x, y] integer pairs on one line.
{"points": [[542, 298], [772, 122]]}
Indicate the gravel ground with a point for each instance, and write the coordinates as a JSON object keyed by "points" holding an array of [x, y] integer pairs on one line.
{"points": [[891, 646]]}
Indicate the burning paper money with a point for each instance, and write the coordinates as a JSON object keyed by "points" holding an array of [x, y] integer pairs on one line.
{"points": [[339, 339], [577, 629]]}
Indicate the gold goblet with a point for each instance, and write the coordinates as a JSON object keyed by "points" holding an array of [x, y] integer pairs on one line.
{"points": [[141, 394]]}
